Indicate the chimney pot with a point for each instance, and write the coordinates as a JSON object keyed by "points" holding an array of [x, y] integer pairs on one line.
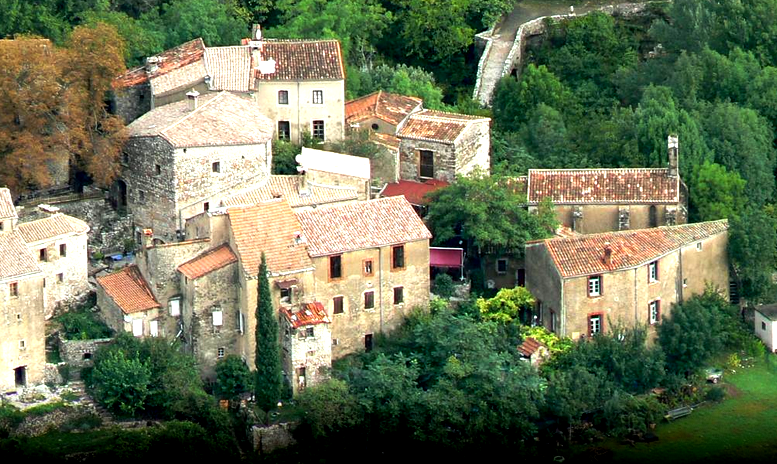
{"points": [[607, 254], [673, 146], [193, 97]]}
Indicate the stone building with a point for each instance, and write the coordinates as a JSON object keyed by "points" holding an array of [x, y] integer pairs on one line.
{"points": [[381, 112], [298, 84], [371, 267], [183, 157], [336, 169], [584, 284], [307, 345], [127, 303], [297, 190]]}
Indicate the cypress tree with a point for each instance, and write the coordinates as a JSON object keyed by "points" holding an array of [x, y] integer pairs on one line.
{"points": [[267, 387]]}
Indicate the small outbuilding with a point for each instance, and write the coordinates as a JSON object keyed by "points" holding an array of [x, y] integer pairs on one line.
{"points": [[766, 325]]}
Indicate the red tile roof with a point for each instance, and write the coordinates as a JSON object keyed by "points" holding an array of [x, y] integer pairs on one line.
{"points": [[7, 209], [303, 60], [220, 119], [437, 126], [387, 140], [309, 314], [129, 290], [52, 226], [287, 187], [414, 192], [207, 262], [605, 186], [389, 107], [271, 228], [584, 254], [529, 347], [361, 225], [15, 259], [169, 60]]}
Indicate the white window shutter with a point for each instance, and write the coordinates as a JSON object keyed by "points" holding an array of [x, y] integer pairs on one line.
{"points": [[217, 318], [154, 328], [175, 307], [137, 327]]}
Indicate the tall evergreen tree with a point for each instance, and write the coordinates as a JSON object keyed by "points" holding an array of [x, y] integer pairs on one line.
{"points": [[267, 387]]}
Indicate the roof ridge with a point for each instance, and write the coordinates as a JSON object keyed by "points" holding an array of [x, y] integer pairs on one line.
{"points": [[189, 114], [597, 169], [634, 231]]}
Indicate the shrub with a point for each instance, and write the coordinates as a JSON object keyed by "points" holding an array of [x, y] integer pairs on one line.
{"points": [[82, 324], [715, 394], [443, 285], [233, 377], [10, 418], [625, 414], [86, 421], [121, 384], [43, 409]]}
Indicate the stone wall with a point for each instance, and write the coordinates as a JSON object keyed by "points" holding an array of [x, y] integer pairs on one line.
{"points": [[409, 159], [473, 149], [340, 180], [79, 353], [544, 282], [303, 350], [132, 102], [267, 439], [22, 327]]}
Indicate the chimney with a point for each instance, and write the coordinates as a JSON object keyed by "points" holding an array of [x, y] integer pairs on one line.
{"points": [[303, 181], [674, 149], [193, 97], [152, 64], [607, 254], [255, 45]]}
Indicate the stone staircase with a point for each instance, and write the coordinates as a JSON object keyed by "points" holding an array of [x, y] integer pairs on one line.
{"points": [[78, 388]]}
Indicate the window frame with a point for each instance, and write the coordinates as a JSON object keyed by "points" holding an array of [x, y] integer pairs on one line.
{"points": [[170, 305], [338, 304], [289, 298], [63, 250], [506, 265], [657, 319], [313, 129], [368, 267], [60, 277], [281, 101], [653, 272], [286, 133], [595, 316], [317, 93], [599, 283], [43, 255], [369, 300], [394, 266], [339, 260], [215, 167], [13, 289], [422, 166], [401, 299]]}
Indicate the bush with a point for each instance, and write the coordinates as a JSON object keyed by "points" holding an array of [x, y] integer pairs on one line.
{"points": [[86, 421], [121, 384], [715, 394], [82, 324], [43, 409], [625, 414], [10, 418], [443, 286], [233, 377]]}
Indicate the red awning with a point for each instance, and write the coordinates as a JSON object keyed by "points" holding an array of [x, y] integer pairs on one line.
{"points": [[446, 257]]}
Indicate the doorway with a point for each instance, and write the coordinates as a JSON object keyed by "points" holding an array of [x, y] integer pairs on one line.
{"points": [[20, 376]]}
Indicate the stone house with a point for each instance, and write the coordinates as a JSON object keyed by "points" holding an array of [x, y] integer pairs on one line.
{"points": [[381, 112], [183, 157], [307, 345], [298, 84], [585, 284], [127, 303], [371, 267]]}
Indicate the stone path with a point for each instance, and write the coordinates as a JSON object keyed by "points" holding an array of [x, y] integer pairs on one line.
{"points": [[504, 33]]}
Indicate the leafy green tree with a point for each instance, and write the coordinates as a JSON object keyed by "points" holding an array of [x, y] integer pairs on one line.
{"points": [[716, 192], [184, 20], [752, 248], [36, 18], [545, 135], [140, 42], [121, 384], [400, 79], [233, 377], [432, 30], [330, 408], [269, 378], [514, 101], [507, 305], [690, 28], [284, 157]]}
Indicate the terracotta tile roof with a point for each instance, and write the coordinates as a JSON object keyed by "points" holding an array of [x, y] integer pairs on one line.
{"points": [[179, 79], [52, 226], [413, 191], [389, 107], [309, 314], [437, 126], [207, 262], [220, 119], [303, 60], [7, 209], [15, 259], [129, 290], [607, 186], [360, 225], [271, 228], [389, 141], [584, 254], [169, 60], [229, 68], [287, 187], [336, 163], [529, 347]]}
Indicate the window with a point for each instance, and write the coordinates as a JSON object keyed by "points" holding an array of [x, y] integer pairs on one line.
{"points": [[763, 325], [216, 166], [369, 300], [153, 328], [62, 250], [218, 318], [283, 97], [685, 282], [337, 305], [206, 206], [142, 195], [158, 169], [310, 332], [501, 266], [286, 295], [594, 324], [653, 272], [398, 257], [284, 130], [698, 246], [375, 126], [220, 352], [368, 271], [42, 255], [426, 164], [368, 342], [22, 345], [318, 97], [654, 310], [125, 158], [137, 327], [335, 267], [595, 286], [318, 130], [552, 321], [14, 289], [399, 295], [60, 277], [240, 322], [18, 317], [175, 306]]}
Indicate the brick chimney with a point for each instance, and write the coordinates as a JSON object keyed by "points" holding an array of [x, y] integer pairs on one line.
{"points": [[673, 145], [607, 254], [193, 97]]}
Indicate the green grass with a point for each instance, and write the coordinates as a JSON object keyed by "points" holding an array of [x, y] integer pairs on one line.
{"points": [[743, 428]]}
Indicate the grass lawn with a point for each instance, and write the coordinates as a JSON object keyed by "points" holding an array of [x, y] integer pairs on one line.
{"points": [[743, 428]]}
